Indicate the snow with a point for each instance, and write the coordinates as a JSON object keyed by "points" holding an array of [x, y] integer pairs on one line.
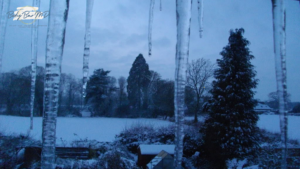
{"points": [[73, 128], [234, 163], [104, 129], [272, 123], [157, 159], [260, 106], [155, 149]]}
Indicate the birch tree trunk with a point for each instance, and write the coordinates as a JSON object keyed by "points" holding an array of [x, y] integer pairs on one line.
{"points": [[279, 23], [54, 50], [183, 13], [34, 41]]}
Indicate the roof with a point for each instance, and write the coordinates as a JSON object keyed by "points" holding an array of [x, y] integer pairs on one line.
{"points": [[262, 107], [155, 149], [157, 159]]}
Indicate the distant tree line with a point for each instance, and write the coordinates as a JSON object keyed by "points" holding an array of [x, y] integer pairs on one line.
{"points": [[15, 92], [143, 94]]}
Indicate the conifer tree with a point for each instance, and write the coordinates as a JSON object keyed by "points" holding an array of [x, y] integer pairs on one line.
{"points": [[138, 81], [230, 130]]}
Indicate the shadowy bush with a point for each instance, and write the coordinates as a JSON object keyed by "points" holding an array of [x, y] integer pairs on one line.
{"points": [[146, 134], [12, 150]]}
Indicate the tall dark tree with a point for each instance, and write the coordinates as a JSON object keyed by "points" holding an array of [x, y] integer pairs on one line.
{"points": [[230, 130], [100, 88], [138, 81]]}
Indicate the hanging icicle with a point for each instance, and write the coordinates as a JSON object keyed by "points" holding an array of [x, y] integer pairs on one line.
{"points": [[183, 13], [160, 6], [200, 17], [4, 5], [87, 44], [54, 50], [152, 2], [279, 24], [34, 42]]}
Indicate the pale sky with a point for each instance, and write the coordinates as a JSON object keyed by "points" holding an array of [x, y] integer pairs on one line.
{"points": [[120, 33]]}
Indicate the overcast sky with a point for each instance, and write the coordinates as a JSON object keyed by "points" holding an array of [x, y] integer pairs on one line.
{"points": [[120, 33]]}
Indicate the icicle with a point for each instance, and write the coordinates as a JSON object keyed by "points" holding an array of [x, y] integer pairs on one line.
{"points": [[200, 17], [4, 8], [152, 2], [87, 44], [34, 41], [183, 13], [279, 16], [55, 43], [160, 6]]}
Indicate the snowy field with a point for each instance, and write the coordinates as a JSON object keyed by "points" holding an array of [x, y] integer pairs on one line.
{"points": [[72, 128], [105, 129], [271, 123]]}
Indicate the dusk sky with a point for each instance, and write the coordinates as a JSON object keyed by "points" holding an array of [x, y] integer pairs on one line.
{"points": [[119, 33]]}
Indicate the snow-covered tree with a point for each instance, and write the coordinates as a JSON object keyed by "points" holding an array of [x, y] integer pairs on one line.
{"points": [[230, 130], [54, 51], [99, 92]]}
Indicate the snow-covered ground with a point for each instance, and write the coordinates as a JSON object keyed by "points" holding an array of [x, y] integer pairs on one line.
{"points": [[271, 123], [105, 129], [73, 128]]}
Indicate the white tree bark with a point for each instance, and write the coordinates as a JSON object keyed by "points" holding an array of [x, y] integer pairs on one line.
{"points": [[279, 23], [54, 51], [34, 41], [183, 13]]}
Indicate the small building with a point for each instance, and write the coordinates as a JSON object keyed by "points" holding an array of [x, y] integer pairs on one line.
{"points": [[163, 160], [147, 152], [262, 108]]}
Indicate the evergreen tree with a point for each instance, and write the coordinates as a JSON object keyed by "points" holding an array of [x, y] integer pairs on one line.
{"points": [[229, 131], [138, 81], [99, 92]]}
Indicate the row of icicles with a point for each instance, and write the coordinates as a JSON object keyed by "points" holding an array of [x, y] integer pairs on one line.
{"points": [[152, 2]]}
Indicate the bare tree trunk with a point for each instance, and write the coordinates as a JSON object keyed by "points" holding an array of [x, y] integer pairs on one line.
{"points": [[197, 109], [183, 13], [279, 22], [54, 51]]}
